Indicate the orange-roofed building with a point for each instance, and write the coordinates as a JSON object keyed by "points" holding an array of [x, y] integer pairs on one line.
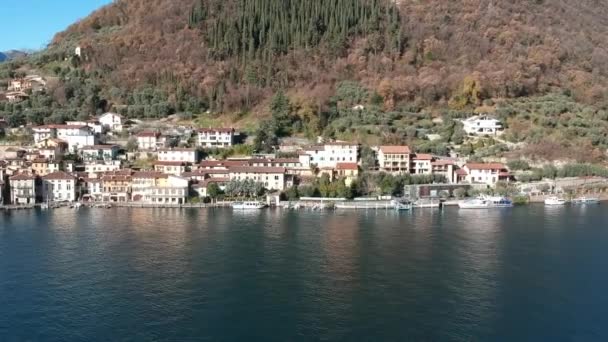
{"points": [[486, 173], [394, 159]]}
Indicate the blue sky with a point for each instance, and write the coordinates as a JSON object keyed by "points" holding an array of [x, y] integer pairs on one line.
{"points": [[31, 24]]}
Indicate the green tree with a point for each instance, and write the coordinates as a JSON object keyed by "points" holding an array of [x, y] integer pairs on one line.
{"points": [[213, 190]]}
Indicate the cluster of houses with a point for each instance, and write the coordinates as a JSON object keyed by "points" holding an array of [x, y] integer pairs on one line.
{"points": [[67, 163], [19, 89]]}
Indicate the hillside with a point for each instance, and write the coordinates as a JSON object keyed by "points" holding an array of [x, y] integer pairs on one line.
{"points": [[511, 48], [402, 60], [3, 57]]}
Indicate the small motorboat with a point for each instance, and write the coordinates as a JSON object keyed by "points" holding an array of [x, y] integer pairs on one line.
{"points": [[400, 205], [248, 205], [586, 200], [554, 200], [486, 202]]}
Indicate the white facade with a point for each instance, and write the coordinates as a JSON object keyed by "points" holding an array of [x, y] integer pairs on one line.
{"points": [[59, 186], [94, 189], [23, 189], [488, 174], [422, 164], [216, 137], [173, 191], [482, 125], [111, 121], [76, 136], [188, 155], [94, 125], [42, 133], [273, 178], [151, 141], [92, 169], [330, 154]]}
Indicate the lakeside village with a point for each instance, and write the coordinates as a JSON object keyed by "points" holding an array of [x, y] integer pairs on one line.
{"points": [[111, 161]]}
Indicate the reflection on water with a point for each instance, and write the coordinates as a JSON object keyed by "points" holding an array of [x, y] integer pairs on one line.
{"points": [[531, 273]]}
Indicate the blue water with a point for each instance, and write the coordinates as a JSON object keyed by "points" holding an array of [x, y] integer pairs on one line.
{"points": [[522, 274]]}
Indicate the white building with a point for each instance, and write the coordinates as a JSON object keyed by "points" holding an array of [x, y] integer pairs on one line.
{"points": [[216, 137], [149, 140], [393, 159], [23, 189], [188, 155], [93, 124], [76, 136], [170, 167], [273, 178], [111, 121], [484, 173], [42, 133], [421, 164], [59, 186], [482, 125], [330, 154], [142, 181], [100, 152], [173, 190], [94, 189], [95, 168]]}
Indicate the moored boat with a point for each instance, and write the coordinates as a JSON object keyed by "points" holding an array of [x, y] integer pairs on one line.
{"points": [[586, 200], [554, 200], [401, 205], [486, 202], [248, 205]]}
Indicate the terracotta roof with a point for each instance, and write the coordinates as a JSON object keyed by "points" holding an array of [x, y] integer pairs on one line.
{"points": [[197, 173], [149, 174], [485, 166], [347, 166], [116, 178], [222, 163], [395, 149], [256, 169], [461, 172], [285, 160], [22, 176], [169, 163], [59, 175], [215, 180], [423, 156], [99, 147], [40, 161], [443, 162]]}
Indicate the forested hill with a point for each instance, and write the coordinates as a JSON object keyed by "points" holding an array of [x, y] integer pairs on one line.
{"points": [[233, 53]]}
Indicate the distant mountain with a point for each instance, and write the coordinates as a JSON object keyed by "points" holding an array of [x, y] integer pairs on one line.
{"points": [[12, 54]]}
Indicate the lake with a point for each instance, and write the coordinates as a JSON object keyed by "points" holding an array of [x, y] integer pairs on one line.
{"points": [[527, 273]]}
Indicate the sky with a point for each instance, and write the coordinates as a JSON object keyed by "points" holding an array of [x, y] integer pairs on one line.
{"points": [[31, 24]]}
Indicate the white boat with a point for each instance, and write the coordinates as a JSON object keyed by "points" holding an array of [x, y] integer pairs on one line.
{"points": [[248, 205], [427, 204], [402, 205], [586, 200], [486, 202], [554, 200]]}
